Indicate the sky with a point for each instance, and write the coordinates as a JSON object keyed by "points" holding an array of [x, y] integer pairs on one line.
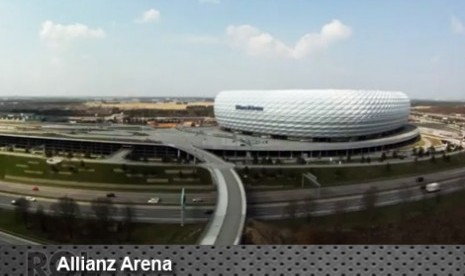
{"points": [[200, 47]]}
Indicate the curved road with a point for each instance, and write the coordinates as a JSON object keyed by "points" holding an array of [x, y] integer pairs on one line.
{"points": [[227, 223]]}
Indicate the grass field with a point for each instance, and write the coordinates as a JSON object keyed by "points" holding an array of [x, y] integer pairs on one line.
{"points": [[143, 233], [333, 176], [92, 172]]}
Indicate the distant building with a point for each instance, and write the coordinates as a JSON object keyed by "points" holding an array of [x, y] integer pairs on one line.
{"points": [[21, 117]]}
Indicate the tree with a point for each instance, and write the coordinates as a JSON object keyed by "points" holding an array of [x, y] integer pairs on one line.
{"points": [[104, 211], [388, 167], [83, 164], [290, 210], [308, 207], [421, 152], [66, 210], [339, 220], [22, 209], [414, 151], [301, 161], [246, 170], [405, 195], [41, 218], [368, 160], [432, 150], [383, 157], [448, 147], [255, 160], [368, 202], [128, 220], [433, 158]]}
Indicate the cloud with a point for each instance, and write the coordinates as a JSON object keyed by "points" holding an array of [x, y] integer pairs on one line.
{"points": [[456, 25], [210, 1], [57, 34], [257, 43], [148, 16]]}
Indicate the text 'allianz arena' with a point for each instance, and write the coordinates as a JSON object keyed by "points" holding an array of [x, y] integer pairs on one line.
{"points": [[317, 114]]}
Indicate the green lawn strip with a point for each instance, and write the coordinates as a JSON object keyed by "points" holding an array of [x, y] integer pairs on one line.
{"points": [[9, 224], [167, 234], [384, 215], [334, 176], [105, 187], [143, 233], [103, 172]]}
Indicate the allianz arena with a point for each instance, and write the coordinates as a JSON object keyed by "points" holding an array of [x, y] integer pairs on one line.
{"points": [[318, 115]]}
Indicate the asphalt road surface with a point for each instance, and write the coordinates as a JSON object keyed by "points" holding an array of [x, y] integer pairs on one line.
{"points": [[234, 219], [143, 213], [326, 206], [121, 196], [259, 197]]}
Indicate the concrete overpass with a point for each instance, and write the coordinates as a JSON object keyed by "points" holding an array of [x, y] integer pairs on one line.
{"points": [[227, 223]]}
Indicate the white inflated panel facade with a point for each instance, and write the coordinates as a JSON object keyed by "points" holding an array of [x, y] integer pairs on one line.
{"points": [[312, 113]]}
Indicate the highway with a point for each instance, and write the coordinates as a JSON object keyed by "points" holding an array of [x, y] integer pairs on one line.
{"points": [[168, 198], [276, 210], [326, 206], [256, 197], [143, 213], [257, 200]]}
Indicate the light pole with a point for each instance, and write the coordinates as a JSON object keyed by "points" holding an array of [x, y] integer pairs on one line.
{"points": [[183, 205]]}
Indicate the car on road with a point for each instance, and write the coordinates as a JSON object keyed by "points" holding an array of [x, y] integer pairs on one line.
{"points": [[208, 212], [14, 202], [111, 195], [154, 200], [197, 199], [432, 187], [420, 179], [31, 199], [35, 189]]}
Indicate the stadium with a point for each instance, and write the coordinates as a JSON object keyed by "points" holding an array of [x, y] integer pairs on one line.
{"points": [[319, 115], [311, 123]]}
